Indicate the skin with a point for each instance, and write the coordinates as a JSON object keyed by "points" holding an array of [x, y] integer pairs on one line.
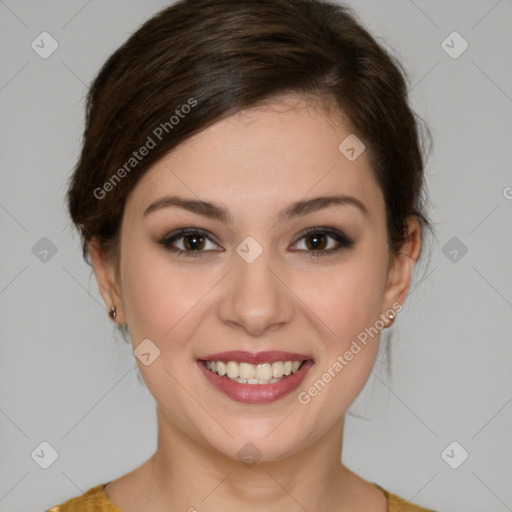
{"points": [[254, 163]]}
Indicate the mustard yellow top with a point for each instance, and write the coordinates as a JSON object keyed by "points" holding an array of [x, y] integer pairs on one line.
{"points": [[97, 500]]}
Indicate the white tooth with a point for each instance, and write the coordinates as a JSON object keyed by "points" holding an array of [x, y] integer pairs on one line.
{"points": [[277, 369], [221, 368], [232, 370], [246, 370], [263, 371]]}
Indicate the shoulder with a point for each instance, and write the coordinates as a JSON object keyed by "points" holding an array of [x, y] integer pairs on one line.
{"points": [[94, 500], [397, 504]]}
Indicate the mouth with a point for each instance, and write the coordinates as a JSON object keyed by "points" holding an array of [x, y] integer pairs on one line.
{"points": [[247, 373], [255, 377]]}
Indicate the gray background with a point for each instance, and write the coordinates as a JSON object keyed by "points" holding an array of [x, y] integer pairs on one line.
{"points": [[67, 379]]}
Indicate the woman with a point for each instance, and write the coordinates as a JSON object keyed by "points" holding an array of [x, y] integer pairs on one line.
{"points": [[250, 194]]}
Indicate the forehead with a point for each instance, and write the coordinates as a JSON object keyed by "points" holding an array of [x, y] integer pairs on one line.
{"points": [[271, 154]]}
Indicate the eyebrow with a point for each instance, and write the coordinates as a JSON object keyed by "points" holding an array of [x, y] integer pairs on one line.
{"points": [[218, 212]]}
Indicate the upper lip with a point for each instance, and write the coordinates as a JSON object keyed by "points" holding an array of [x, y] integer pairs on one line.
{"points": [[241, 356]]}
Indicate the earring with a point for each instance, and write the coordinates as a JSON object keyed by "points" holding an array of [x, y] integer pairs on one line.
{"points": [[391, 317], [113, 313]]}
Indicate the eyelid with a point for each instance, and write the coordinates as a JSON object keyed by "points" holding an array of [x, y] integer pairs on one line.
{"points": [[168, 240], [343, 241]]}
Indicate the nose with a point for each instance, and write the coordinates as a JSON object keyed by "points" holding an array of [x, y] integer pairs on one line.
{"points": [[255, 297]]}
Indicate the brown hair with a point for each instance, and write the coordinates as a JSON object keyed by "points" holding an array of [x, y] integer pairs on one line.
{"points": [[199, 61]]}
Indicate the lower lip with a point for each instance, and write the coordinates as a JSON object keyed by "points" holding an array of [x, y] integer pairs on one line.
{"points": [[256, 393]]}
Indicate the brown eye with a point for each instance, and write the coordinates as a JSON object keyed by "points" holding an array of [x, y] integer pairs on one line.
{"points": [[190, 241], [323, 241], [194, 242], [316, 241]]}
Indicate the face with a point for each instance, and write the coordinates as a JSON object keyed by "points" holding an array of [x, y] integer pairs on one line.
{"points": [[265, 268]]}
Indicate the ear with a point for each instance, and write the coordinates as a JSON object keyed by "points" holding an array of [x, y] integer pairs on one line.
{"points": [[108, 284], [402, 266]]}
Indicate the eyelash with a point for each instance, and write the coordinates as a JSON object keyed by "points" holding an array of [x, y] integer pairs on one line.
{"points": [[344, 242]]}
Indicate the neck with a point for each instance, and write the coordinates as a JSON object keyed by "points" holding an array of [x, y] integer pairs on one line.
{"points": [[191, 475]]}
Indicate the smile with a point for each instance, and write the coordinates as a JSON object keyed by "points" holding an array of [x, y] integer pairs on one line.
{"points": [[247, 373], [255, 378]]}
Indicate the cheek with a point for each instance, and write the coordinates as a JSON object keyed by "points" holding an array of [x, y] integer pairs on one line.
{"points": [[348, 306], [344, 301], [154, 297], [163, 302]]}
